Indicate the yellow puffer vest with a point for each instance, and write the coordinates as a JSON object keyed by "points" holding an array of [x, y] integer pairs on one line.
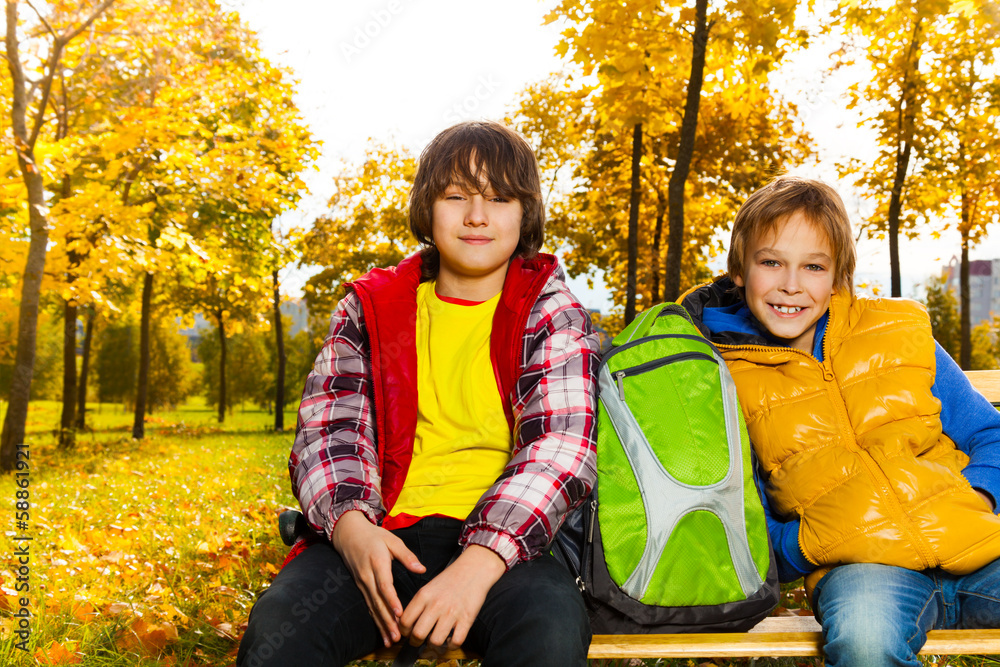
{"points": [[853, 446]]}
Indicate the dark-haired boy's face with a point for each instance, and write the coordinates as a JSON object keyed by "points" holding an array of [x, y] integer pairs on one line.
{"points": [[476, 233], [788, 281]]}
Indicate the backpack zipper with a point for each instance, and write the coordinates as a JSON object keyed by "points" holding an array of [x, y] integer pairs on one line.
{"points": [[620, 375]]}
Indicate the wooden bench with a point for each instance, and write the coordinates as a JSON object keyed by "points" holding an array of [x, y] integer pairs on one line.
{"points": [[775, 636]]}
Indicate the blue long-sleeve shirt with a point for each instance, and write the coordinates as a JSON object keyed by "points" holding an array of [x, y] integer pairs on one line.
{"points": [[966, 417]]}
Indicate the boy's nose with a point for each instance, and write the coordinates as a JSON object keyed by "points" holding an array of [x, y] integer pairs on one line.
{"points": [[476, 215], [790, 285]]}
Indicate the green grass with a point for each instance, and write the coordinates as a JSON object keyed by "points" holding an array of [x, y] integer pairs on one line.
{"points": [[177, 528]]}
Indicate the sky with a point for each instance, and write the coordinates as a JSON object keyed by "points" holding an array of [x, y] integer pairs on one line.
{"points": [[403, 70]]}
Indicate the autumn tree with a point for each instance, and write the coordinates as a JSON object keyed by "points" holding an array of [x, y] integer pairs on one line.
{"points": [[985, 348], [30, 91], [893, 40], [367, 225], [639, 51], [942, 307], [230, 288], [744, 133], [211, 144], [962, 108]]}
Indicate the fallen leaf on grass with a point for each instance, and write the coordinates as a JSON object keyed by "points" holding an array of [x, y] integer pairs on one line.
{"points": [[119, 607], [57, 654], [225, 630], [149, 637], [8, 599], [173, 614], [84, 611]]}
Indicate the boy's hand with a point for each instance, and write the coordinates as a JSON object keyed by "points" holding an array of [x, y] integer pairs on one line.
{"points": [[368, 551], [445, 608]]}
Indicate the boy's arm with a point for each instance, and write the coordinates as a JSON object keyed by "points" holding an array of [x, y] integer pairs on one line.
{"points": [[334, 462], [788, 556], [554, 463], [971, 422]]}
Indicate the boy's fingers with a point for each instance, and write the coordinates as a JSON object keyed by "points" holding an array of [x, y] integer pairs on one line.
{"points": [[409, 560], [458, 635], [441, 634], [409, 620], [382, 614], [386, 591], [421, 630], [372, 610]]}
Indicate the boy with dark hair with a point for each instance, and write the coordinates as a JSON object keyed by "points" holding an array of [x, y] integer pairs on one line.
{"points": [[447, 428], [881, 463]]}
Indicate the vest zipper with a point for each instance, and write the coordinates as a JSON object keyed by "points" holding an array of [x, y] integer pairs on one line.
{"points": [[881, 481]]}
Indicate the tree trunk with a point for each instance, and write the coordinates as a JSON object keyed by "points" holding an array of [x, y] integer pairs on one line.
{"points": [[142, 388], [222, 366], [31, 282], [965, 330], [906, 120], [81, 401], [279, 391], [895, 208], [633, 224], [654, 266], [685, 153], [67, 425]]}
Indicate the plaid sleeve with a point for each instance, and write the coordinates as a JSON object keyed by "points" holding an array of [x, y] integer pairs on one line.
{"points": [[334, 462], [553, 466]]}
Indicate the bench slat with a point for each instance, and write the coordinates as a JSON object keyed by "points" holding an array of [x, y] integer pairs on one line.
{"points": [[712, 645], [772, 644], [744, 645]]}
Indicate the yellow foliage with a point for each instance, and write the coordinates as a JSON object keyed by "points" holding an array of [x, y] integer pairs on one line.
{"points": [[635, 57]]}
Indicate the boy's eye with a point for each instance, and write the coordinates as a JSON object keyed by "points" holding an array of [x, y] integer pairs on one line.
{"points": [[816, 267], [769, 262]]}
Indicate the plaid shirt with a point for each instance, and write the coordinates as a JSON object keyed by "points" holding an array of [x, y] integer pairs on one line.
{"points": [[336, 464]]}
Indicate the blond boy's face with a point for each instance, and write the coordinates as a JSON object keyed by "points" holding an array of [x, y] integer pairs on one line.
{"points": [[788, 280]]}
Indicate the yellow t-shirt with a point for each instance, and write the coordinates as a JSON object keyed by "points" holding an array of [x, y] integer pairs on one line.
{"points": [[462, 441]]}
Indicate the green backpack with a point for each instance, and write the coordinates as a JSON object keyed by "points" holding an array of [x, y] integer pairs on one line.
{"points": [[674, 538]]}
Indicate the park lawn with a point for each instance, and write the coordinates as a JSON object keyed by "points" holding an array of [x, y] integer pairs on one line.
{"points": [[152, 552]]}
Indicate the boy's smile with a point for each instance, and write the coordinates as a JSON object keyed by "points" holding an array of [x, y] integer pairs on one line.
{"points": [[475, 234], [789, 280]]}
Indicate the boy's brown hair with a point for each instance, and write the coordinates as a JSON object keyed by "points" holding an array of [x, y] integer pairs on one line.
{"points": [[766, 208], [461, 155]]}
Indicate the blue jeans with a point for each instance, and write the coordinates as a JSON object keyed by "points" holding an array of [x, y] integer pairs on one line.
{"points": [[875, 615], [314, 615]]}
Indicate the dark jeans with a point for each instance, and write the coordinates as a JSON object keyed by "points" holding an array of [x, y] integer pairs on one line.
{"points": [[314, 615]]}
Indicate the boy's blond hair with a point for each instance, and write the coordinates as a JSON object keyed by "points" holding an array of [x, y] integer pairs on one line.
{"points": [[768, 207]]}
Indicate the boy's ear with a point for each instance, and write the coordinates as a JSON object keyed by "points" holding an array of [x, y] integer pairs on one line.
{"points": [[738, 280]]}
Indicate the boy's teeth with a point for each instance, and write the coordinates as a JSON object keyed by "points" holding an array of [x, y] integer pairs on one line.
{"points": [[787, 310]]}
